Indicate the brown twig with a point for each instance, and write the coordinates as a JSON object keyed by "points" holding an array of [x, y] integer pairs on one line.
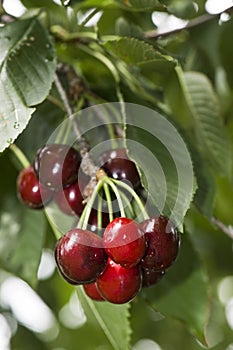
{"points": [[87, 165], [228, 230], [154, 34]]}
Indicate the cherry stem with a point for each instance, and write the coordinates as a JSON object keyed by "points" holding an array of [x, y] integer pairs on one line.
{"points": [[134, 194], [81, 218], [99, 212], [20, 155], [129, 206], [89, 205], [117, 194], [109, 201], [54, 228]]}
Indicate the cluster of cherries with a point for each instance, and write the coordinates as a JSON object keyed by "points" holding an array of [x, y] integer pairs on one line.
{"points": [[128, 255]]}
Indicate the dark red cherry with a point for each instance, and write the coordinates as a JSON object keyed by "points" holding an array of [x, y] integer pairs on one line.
{"points": [[67, 279], [93, 221], [57, 165], [117, 165], [30, 191], [151, 277], [92, 291], [163, 243], [119, 285], [70, 200], [124, 242], [80, 256]]}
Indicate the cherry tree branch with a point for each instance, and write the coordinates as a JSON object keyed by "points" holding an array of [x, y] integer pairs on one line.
{"points": [[87, 165], [191, 24], [228, 230]]}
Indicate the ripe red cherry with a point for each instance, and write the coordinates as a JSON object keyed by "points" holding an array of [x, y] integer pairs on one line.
{"points": [[119, 285], [30, 191], [70, 200], [151, 277], [163, 243], [92, 291], [117, 165], [57, 165], [124, 242], [80, 256]]}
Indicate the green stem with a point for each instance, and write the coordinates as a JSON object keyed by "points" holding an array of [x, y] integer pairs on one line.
{"points": [[108, 63], [56, 102], [99, 212], [105, 118], [20, 155], [127, 203], [117, 194], [135, 196], [102, 322], [109, 201], [90, 203], [56, 232], [66, 36], [81, 219]]}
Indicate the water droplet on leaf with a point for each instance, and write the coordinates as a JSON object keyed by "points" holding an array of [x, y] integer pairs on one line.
{"points": [[10, 140], [16, 125]]}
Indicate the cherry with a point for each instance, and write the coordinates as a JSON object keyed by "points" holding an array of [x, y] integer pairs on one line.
{"points": [[70, 200], [66, 278], [57, 165], [92, 291], [93, 220], [124, 242], [163, 243], [80, 256], [117, 284], [117, 165], [151, 277], [30, 191]]}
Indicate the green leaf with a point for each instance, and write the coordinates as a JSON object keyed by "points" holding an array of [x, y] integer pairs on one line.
{"points": [[203, 108], [225, 49], [181, 8], [112, 319], [142, 66], [126, 28], [22, 237], [130, 5], [133, 51], [205, 195], [140, 4], [39, 3], [183, 292], [27, 68], [158, 149]]}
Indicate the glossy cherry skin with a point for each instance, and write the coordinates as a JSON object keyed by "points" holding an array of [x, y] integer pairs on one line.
{"points": [[124, 242], [117, 165], [80, 256], [70, 200], [30, 191], [119, 285], [151, 277], [163, 243], [93, 292], [57, 165], [93, 221]]}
